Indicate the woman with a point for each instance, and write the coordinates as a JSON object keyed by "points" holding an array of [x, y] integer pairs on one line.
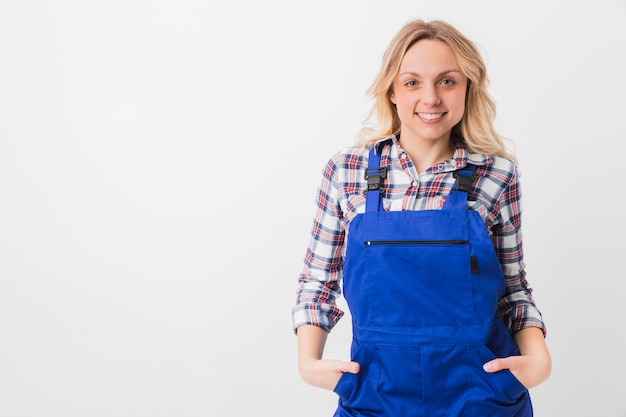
{"points": [[419, 224]]}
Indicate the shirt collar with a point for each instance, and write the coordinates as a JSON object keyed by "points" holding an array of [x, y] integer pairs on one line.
{"points": [[462, 156]]}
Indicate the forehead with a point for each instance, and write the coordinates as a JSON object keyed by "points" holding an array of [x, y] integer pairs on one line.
{"points": [[428, 55]]}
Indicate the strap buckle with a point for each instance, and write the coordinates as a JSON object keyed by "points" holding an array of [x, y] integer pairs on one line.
{"points": [[375, 178], [464, 179]]}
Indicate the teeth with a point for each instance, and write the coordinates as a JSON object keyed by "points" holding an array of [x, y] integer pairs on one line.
{"points": [[430, 116]]}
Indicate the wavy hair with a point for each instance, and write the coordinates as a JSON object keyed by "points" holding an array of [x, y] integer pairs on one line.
{"points": [[476, 129]]}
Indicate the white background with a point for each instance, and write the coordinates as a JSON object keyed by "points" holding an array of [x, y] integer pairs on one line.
{"points": [[158, 163]]}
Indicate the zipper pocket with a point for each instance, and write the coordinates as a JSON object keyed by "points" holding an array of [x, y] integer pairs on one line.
{"points": [[415, 242], [473, 259]]}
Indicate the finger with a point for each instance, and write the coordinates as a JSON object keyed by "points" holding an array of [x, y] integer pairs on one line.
{"points": [[352, 367], [497, 365]]}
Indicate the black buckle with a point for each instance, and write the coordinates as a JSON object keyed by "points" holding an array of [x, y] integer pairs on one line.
{"points": [[375, 178], [464, 179]]}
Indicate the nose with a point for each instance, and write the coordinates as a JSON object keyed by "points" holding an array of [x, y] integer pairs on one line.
{"points": [[430, 96]]}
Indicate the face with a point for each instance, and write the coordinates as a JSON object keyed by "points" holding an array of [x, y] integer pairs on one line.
{"points": [[429, 92]]}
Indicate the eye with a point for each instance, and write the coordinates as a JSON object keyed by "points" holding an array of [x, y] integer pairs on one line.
{"points": [[411, 83], [448, 82]]}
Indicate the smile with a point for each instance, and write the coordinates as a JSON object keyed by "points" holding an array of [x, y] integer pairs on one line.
{"points": [[430, 116]]}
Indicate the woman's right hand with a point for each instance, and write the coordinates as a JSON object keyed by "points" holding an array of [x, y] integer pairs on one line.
{"points": [[322, 373], [325, 373]]}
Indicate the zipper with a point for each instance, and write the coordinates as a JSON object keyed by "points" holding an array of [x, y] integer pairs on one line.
{"points": [[415, 242]]}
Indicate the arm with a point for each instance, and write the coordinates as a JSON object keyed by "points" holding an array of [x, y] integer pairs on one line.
{"points": [[518, 308], [316, 312], [314, 370], [319, 280]]}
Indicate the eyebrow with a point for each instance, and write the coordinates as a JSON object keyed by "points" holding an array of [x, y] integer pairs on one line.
{"points": [[415, 74]]}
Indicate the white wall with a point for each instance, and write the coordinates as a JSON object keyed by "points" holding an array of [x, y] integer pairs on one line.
{"points": [[158, 163]]}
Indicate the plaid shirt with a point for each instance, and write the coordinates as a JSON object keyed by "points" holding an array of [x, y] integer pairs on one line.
{"points": [[495, 195]]}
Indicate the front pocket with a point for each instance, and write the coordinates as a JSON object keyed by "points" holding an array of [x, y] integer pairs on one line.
{"points": [[346, 385], [500, 387], [358, 391], [418, 283]]}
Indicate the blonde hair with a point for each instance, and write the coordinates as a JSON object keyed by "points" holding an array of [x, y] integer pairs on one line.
{"points": [[476, 129]]}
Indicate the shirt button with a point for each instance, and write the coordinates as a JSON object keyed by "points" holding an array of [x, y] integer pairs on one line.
{"points": [[414, 183], [403, 155]]}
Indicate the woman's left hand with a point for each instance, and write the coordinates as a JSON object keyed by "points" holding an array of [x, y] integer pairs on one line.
{"points": [[533, 366]]}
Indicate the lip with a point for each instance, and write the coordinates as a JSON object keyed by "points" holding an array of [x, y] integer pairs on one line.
{"points": [[427, 117]]}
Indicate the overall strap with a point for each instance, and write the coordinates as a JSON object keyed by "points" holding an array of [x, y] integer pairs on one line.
{"points": [[458, 196], [375, 176]]}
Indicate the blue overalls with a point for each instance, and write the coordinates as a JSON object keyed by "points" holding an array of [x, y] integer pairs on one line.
{"points": [[423, 289]]}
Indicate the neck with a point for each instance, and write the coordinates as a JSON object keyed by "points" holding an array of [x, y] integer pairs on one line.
{"points": [[427, 154]]}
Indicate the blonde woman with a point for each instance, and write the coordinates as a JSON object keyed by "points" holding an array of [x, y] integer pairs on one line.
{"points": [[419, 226]]}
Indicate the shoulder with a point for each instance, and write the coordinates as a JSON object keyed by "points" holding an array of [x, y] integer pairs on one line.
{"points": [[359, 153], [496, 187], [497, 180], [348, 158], [494, 168]]}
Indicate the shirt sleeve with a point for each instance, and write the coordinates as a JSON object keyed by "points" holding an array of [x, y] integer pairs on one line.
{"points": [[517, 307], [319, 280]]}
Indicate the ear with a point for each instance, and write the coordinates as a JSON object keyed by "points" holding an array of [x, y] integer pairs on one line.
{"points": [[392, 97]]}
